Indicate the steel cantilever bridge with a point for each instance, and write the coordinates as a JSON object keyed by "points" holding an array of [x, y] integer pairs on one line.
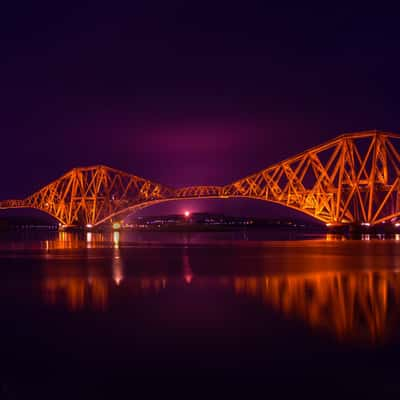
{"points": [[352, 179]]}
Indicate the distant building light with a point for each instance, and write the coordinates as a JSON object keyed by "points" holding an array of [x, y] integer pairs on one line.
{"points": [[328, 224], [187, 213], [116, 225], [365, 224], [397, 224], [89, 226]]}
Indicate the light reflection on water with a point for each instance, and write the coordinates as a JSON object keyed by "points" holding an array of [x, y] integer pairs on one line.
{"points": [[352, 293], [74, 240], [362, 307], [253, 307], [359, 307]]}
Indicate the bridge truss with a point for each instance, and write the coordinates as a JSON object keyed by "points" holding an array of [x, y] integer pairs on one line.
{"points": [[354, 178]]}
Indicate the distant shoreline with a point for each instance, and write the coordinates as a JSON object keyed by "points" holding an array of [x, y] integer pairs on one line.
{"points": [[172, 228], [219, 228]]}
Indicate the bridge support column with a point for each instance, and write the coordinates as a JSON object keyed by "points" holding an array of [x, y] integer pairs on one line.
{"points": [[356, 229]]}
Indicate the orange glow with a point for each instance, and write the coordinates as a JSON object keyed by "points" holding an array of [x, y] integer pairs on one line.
{"points": [[76, 292], [351, 306], [336, 183], [356, 306], [117, 266], [116, 239]]}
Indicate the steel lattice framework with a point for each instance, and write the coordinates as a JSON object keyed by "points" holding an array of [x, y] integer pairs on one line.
{"points": [[354, 178]]}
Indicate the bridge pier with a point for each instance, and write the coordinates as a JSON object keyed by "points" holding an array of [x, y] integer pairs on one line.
{"points": [[357, 229]]}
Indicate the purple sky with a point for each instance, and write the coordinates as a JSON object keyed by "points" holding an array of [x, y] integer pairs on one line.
{"points": [[186, 93]]}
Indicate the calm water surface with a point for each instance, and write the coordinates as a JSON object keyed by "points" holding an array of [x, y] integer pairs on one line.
{"points": [[183, 314]]}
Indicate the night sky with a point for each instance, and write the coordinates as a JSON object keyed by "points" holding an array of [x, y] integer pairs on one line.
{"points": [[185, 92]]}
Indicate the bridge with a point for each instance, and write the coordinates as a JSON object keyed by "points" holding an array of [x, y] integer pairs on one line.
{"points": [[351, 179]]}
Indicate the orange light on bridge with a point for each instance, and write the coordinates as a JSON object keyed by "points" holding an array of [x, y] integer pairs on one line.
{"points": [[310, 185]]}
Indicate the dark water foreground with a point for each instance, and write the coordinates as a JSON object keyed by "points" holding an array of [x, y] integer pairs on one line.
{"points": [[199, 315]]}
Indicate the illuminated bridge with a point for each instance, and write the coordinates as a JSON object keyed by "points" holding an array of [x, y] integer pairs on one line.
{"points": [[352, 179]]}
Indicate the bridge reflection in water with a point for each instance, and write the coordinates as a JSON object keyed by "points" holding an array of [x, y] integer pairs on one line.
{"points": [[361, 306]]}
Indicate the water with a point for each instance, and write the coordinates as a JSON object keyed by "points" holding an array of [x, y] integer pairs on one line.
{"points": [[208, 314]]}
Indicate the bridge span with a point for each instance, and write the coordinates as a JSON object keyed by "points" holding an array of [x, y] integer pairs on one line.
{"points": [[351, 179]]}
